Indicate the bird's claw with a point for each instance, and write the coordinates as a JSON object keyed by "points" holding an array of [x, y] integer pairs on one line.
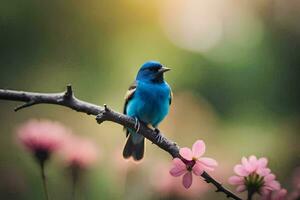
{"points": [[158, 136], [157, 131]]}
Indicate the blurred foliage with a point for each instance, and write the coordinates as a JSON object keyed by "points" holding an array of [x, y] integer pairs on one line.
{"points": [[240, 93]]}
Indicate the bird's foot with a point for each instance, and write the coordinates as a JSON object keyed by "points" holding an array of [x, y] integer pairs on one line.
{"points": [[158, 135], [156, 131], [137, 125]]}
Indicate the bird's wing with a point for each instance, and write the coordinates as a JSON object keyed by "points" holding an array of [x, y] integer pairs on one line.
{"points": [[129, 94], [170, 97]]}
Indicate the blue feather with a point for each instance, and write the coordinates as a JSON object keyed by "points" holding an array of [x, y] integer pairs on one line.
{"points": [[149, 102]]}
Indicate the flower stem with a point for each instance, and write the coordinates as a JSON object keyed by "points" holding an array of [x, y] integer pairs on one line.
{"points": [[75, 173], [250, 194], [44, 179], [74, 184]]}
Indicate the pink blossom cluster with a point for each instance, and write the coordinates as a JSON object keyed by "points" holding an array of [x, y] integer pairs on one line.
{"points": [[44, 137], [276, 195], [254, 175], [79, 152], [282, 194], [192, 162], [41, 135]]}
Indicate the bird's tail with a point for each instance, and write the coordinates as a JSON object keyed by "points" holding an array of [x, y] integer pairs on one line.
{"points": [[134, 148]]}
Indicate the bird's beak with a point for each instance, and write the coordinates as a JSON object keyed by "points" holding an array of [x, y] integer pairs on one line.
{"points": [[163, 70]]}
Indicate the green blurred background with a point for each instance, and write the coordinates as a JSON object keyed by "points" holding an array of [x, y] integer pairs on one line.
{"points": [[235, 78]]}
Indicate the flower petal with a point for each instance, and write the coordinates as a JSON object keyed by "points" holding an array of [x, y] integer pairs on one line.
{"points": [[241, 188], [240, 170], [263, 171], [252, 159], [176, 172], [282, 193], [269, 177], [187, 180], [198, 148], [208, 163], [265, 192], [186, 153], [198, 169], [236, 180], [253, 162], [244, 161], [263, 162], [178, 163], [247, 166], [274, 185], [179, 168]]}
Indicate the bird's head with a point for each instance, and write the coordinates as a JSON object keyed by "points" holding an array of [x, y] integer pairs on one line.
{"points": [[152, 71]]}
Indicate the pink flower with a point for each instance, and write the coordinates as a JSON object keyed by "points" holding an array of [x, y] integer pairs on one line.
{"points": [[253, 173], [169, 188], [79, 153], [193, 162], [276, 195], [41, 137]]}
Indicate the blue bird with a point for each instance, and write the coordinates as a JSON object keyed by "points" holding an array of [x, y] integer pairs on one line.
{"points": [[147, 100]]}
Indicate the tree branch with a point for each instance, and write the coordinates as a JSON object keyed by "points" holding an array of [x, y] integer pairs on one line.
{"points": [[104, 113]]}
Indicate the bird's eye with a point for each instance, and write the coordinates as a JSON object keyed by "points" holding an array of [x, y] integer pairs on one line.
{"points": [[153, 69]]}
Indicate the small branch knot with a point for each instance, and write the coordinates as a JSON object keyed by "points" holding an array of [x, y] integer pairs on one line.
{"points": [[103, 114], [106, 108], [207, 181], [69, 92]]}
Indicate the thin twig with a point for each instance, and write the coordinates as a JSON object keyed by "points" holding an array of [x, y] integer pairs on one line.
{"points": [[68, 99]]}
